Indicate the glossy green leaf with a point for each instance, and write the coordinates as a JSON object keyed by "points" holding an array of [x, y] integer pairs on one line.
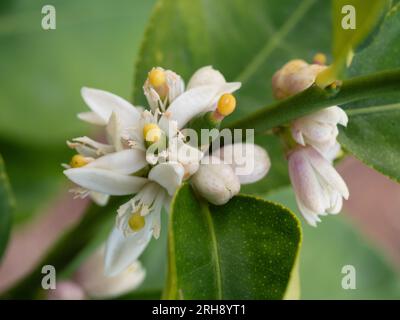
{"points": [[245, 249], [185, 35], [352, 21], [6, 208], [336, 243], [373, 132]]}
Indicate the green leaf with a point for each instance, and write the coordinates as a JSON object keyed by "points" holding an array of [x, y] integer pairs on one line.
{"points": [[372, 134], [185, 35], [6, 208], [352, 22], [332, 245], [246, 249]]}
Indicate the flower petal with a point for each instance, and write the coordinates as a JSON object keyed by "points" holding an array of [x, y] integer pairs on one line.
{"points": [[127, 161], [91, 117], [195, 101], [305, 182], [105, 181], [249, 161], [327, 172], [100, 199], [169, 175], [206, 76], [90, 276], [104, 103], [122, 251]]}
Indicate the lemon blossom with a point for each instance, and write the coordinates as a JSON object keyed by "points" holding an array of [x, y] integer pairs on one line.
{"points": [[319, 129], [319, 188], [145, 155]]}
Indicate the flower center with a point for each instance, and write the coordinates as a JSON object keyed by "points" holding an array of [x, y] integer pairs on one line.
{"points": [[157, 77], [136, 222], [226, 104], [151, 132], [78, 161]]}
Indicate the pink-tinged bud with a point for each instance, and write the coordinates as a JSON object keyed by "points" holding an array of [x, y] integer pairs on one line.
{"points": [[318, 186], [216, 181], [294, 77], [66, 290], [319, 129]]}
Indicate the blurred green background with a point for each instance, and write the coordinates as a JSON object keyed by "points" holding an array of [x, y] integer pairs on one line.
{"points": [[95, 45]]}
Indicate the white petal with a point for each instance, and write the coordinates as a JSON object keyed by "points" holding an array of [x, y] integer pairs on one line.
{"points": [[91, 117], [327, 172], [195, 101], [169, 175], [105, 181], [100, 199], [305, 182], [122, 251], [310, 216], [249, 161], [104, 103], [126, 161], [206, 76], [90, 148], [90, 276]]}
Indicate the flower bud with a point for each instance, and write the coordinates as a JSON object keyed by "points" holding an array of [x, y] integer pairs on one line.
{"points": [[206, 76], [294, 77], [97, 285], [216, 181], [67, 290]]}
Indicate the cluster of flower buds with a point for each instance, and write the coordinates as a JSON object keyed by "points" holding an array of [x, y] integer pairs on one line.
{"points": [[318, 186], [147, 155]]}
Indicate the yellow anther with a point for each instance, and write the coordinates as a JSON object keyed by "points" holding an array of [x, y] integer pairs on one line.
{"points": [[226, 104], [320, 59], [78, 161], [151, 132], [157, 77], [136, 222]]}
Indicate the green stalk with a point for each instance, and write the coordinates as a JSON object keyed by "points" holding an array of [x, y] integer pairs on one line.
{"points": [[315, 98]]}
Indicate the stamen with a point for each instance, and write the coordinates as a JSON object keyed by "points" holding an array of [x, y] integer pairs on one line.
{"points": [[78, 161], [320, 59], [157, 77], [151, 132], [136, 222], [226, 104]]}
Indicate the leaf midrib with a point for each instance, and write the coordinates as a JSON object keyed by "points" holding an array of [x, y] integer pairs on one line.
{"points": [[214, 252], [268, 48]]}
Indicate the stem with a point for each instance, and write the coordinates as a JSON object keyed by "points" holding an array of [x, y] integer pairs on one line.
{"points": [[315, 98], [65, 250]]}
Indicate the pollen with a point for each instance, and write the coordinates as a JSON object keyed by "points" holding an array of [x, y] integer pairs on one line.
{"points": [[157, 77], [151, 132], [78, 161], [226, 104], [136, 222], [320, 59]]}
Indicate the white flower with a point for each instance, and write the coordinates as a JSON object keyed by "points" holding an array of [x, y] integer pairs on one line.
{"points": [[90, 276], [319, 129], [318, 187], [220, 175], [146, 155]]}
